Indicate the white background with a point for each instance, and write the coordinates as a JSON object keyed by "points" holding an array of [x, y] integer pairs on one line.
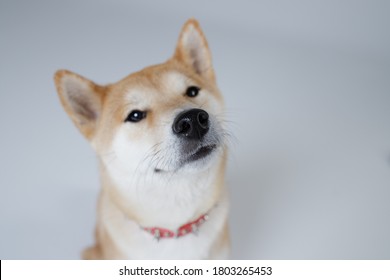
{"points": [[307, 87]]}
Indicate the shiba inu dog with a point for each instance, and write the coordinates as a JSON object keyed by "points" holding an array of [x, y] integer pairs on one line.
{"points": [[160, 141]]}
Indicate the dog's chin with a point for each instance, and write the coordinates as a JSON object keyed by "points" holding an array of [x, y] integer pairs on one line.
{"points": [[196, 161]]}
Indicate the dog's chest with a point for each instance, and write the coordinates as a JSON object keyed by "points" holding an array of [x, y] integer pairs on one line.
{"points": [[136, 243]]}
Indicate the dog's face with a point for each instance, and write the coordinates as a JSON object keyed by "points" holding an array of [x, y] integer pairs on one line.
{"points": [[163, 119]]}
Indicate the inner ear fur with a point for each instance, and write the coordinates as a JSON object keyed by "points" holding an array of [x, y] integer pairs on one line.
{"points": [[81, 99], [193, 51]]}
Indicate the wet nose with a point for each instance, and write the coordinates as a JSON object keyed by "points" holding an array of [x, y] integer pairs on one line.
{"points": [[191, 124]]}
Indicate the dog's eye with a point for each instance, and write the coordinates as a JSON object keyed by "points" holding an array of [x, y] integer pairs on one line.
{"points": [[192, 91], [135, 116]]}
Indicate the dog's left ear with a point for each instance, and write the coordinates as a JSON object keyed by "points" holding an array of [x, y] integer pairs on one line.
{"points": [[192, 50]]}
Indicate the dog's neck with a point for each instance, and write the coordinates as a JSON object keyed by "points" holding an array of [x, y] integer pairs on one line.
{"points": [[191, 227], [164, 200]]}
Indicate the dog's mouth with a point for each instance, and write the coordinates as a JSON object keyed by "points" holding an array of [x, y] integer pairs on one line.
{"points": [[201, 153]]}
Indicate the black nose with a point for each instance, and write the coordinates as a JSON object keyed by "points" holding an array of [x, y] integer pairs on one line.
{"points": [[192, 124]]}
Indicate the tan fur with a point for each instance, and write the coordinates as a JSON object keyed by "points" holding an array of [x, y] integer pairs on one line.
{"points": [[104, 113]]}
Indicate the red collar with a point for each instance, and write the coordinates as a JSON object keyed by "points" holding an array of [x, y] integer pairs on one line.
{"points": [[191, 227]]}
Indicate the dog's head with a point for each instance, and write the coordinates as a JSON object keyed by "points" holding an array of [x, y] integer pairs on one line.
{"points": [[162, 119]]}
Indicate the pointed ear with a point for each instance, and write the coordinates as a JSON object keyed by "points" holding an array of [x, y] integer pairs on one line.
{"points": [[81, 99], [192, 50]]}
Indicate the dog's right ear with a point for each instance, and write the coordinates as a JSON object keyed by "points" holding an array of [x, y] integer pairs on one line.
{"points": [[81, 99]]}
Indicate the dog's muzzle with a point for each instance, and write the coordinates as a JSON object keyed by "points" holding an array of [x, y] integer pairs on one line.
{"points": [[193, 127]]}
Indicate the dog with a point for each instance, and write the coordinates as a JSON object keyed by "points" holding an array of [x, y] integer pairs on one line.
{"points": [[161, 144]]}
